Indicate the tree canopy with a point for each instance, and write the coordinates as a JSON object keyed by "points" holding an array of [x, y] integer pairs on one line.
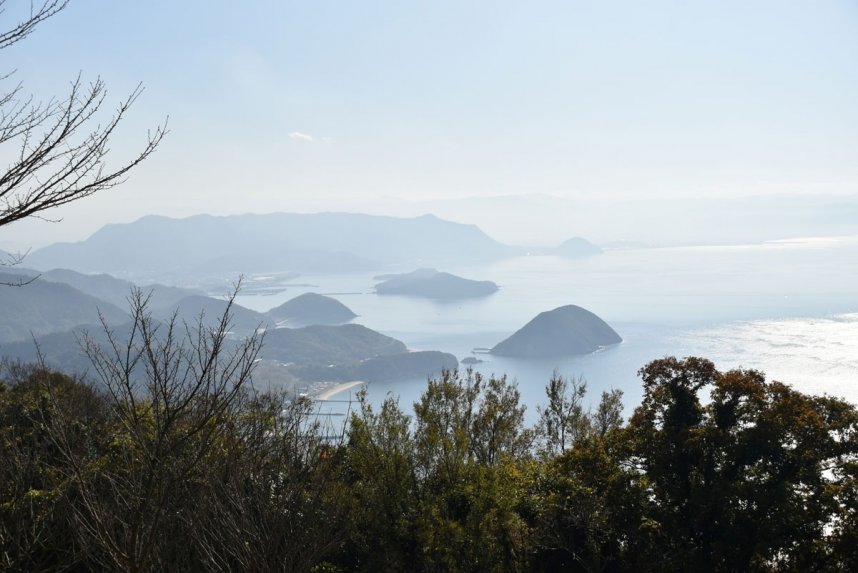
{"points": [[174, 461]]}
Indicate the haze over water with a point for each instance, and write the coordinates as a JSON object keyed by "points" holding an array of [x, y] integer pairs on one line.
{"points": [[788, 308], [657, 122]]}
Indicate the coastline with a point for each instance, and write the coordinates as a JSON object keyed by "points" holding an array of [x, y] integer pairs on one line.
{"points": [[333, 390]]}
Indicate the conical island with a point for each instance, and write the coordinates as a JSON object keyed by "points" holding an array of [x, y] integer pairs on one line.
{"points": [[311, 308], [565, 331]]}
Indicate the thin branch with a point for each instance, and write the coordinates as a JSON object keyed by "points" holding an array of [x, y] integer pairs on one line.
{"points": [[26, 26]]}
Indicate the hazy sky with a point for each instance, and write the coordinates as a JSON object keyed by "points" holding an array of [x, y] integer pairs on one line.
{"points": [[324, 105]]}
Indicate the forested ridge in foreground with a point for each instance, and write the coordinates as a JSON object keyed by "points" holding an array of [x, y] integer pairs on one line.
{"points": [[172, 462]]}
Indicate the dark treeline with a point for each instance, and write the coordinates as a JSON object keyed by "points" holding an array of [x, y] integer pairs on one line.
{"points": [[169, 461]]}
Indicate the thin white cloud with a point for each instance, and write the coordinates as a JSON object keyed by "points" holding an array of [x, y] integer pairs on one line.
{"points": [[298, 136]]}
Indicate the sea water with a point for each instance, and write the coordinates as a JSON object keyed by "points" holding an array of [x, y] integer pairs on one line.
{"points": [[789, 308]]}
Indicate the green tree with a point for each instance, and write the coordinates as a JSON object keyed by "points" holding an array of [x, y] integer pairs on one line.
{"points": [[471, 450], [497, 428], [751, 480], [588, 503], [563, 419], [444, 491], [609, 412], [35, 532], [380, 471], [590, 508]]}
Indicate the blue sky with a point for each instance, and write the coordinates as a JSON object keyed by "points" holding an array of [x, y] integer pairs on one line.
{"points": [[324, 105]]}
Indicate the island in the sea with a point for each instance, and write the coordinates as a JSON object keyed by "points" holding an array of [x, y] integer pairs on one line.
{"points": [[577, 247], [311, 308], [431, 283], [565, 331]]}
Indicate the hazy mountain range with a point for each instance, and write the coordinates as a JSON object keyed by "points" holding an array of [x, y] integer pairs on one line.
{"points": [[309, 243], [41, 307], [116, 291], [52, 313], [49, 319]]}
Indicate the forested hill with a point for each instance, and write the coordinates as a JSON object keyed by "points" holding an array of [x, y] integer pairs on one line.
{"points": [[41, 307], [322, 242], [115, 290], [311, 308]]}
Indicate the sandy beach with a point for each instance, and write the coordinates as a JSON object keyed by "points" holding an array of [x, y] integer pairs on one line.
{"points": [[326, 394]]}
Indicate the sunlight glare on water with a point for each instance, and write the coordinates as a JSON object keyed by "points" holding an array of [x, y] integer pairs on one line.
{"points": [[813, 355]]}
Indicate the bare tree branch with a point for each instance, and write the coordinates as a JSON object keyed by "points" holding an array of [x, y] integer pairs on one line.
{"points": [[11, 260], [24, 27], [172, 392], [57, 151], [59, 159]]}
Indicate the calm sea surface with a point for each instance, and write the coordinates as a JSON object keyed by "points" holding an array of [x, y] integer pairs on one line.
{"points": [[789, 308]]}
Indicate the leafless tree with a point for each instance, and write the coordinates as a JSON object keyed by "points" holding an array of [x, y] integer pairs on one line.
{"points": [[171, 389], [57, 150], [274, 502], [11, 260], [168, 459], [37, 13]]}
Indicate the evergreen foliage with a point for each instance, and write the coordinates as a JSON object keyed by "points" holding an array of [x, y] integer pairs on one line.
{"points": [[180, 465]]}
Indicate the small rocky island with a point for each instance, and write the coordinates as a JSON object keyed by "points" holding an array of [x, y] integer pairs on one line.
{"points": [[311, 308], [577, 247], [565, 331], [431, 283]]}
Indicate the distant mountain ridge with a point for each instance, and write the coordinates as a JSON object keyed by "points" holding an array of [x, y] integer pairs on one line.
{"points": [[116, 291], [312, 353], [195, 308], [60, 300], [320, 242], [42, 307], [48, 318]]}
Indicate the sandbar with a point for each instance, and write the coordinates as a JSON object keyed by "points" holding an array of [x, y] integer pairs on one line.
{"points": [[327, 393]]}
